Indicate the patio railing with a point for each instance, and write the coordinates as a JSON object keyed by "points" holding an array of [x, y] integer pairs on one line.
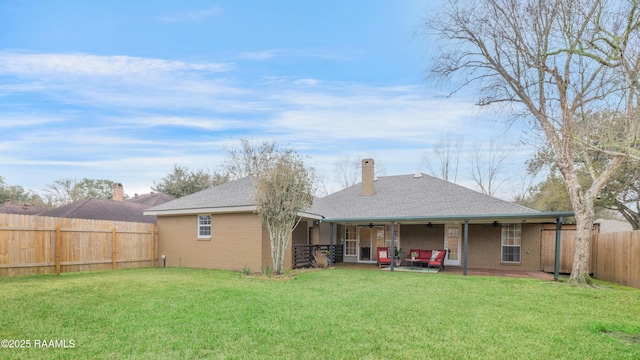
{"points": [[303, 254]]}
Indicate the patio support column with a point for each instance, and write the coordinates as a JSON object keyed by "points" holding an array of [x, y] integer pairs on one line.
{"points": [[393, 246], [332, 249], [466, 247], [556, 265]]}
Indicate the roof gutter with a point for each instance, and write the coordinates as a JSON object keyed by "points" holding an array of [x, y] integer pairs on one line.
{"points": [[219, 210], [475, 217]]}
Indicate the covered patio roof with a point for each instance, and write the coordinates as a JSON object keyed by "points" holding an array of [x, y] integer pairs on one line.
{"points": [[556, 217]]}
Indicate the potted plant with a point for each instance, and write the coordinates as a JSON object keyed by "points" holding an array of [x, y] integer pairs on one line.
{"points": [[398, 256], [414, 255]]}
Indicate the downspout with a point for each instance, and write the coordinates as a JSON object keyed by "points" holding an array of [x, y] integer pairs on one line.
{"points": [[556, 273], [393, 246], [466, 246], [331, 247]]}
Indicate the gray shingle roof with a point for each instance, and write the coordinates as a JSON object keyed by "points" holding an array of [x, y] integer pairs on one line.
{"points": [[234, 193], [150, 200], [394, 196], [416, 196], [102, 209], [21, 209], [237, 193]]}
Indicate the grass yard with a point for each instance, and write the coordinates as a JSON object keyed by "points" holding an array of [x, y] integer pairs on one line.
{"points": [[188, 314]]}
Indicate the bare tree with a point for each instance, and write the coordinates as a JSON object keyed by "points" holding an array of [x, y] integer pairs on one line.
{"points": [[347, 171], [65, 191], [321, 186], [622, 194], [556, 62], [248, 158], [487, 166], [284, 189], [444, 162]]}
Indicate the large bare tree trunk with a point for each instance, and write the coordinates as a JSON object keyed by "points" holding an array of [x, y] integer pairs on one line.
{"points": [[580, 269], [584, 213]]}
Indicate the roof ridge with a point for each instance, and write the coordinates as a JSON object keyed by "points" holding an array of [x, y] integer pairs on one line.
{"points": [[78, 206]]}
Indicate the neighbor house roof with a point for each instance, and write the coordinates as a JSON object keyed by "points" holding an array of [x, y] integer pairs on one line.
{"points": [[151, 199], [102, 209], [422, 197], [404, 197], [9, 207], [607, 226]]}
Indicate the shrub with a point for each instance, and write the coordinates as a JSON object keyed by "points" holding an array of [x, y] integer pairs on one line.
{"points": [[320, 259], [267, 271], [246, 270]]}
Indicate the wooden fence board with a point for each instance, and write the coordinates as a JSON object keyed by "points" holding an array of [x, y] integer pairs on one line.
{"points": [[567, 244], [618, 257], [36, 244]]}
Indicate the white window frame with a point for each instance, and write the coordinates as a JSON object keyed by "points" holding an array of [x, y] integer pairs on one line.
{"points": [[351, 242], [511, 238], [204, 226]]}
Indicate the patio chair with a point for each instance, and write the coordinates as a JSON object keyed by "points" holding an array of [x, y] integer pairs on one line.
{"points": [[383, 257], [437, 260]]}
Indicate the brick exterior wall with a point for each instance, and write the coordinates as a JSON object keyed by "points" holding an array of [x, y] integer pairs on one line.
{"points": [[234, 243], [485, 248], [240, 240], [300, 233], [237, 240], [421, 237]]}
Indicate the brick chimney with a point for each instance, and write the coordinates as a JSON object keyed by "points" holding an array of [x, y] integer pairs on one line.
{"points": [[367, 177], [117, 192]]}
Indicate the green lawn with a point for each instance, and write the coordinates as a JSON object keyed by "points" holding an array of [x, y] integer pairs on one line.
{"points": [[186, 313]]}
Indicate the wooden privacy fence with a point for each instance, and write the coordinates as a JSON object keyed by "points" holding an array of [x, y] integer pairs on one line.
{"points": [[616, 257], [42, 245], [567, 244]]}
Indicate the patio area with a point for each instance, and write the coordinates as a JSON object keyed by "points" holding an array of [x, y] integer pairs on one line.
{"points": [[541, 275]]}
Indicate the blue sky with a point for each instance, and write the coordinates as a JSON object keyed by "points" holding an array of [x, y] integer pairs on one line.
{"points": [[123, 90]]}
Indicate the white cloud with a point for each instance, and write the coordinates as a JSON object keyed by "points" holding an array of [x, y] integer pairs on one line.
{"points": [[13, 120], [202, 123], [191, 15], [83, 65], [309, 82], [259, 55], [134, 117], [296, 53]]}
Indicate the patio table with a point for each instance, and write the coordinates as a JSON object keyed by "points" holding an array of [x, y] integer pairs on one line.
{"points": [[412, 262]]}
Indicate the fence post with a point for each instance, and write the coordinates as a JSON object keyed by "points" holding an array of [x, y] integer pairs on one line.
{"points": [[154, 246], [114, 253], [556, 266], [58, 248]]}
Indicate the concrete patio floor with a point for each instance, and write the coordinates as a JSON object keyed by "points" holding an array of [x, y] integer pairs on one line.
{"points": [[541, 275]]}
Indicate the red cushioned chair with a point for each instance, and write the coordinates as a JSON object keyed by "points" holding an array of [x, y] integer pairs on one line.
{"points": [[383, 257], [438, 261]]}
